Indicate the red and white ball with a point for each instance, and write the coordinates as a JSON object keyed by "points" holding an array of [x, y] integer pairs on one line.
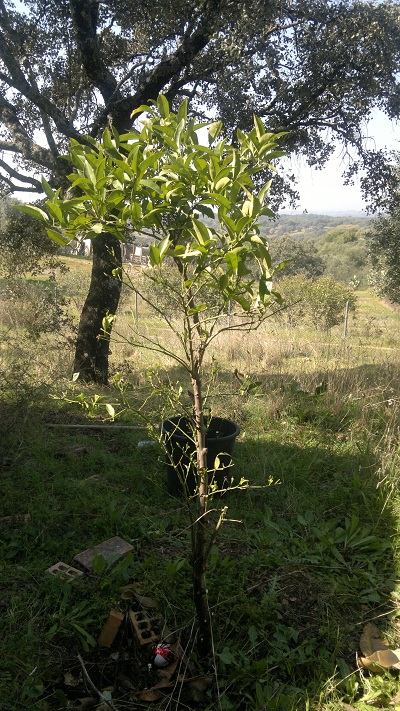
{"points": [[163, 655]]}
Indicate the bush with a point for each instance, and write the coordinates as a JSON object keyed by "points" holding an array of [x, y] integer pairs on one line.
{"points": [[326, 301], [320, 303]]}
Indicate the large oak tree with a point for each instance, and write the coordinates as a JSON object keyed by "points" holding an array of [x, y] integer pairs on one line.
{"points": [[315, 68]]}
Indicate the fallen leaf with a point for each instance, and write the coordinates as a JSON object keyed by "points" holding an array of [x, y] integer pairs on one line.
{"points": [[149, 695], [147, 602], [201, 683], [71, 680], [380, 660], [154, 694], [133, 590], [163, 684], [170, 670], [88, 702], [371, 640]]}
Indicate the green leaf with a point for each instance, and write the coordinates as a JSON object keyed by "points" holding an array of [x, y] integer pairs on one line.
{"points": [[232, 259], [205, 210], [97, 228], [32, 211], [163, 106], [183, 111], [222, 183], [221, 200], [202, 232], [47, 189], [259, 126], [110, 410], [246, 305], [55, 212], [154, 255], [213, 131], [140, 109], [253, 634], [163, 247], [196, 309], [227, 657], [57, 237], [223, 282], [267, 211], [151, 160], [247, 208], [99, 564], [152, 185], [264, 191]]}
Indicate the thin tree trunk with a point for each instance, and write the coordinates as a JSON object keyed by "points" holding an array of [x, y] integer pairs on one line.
{"points": [[92, 347], [201, 533]]}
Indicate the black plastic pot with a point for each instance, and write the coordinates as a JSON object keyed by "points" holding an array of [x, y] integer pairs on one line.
{"points": [[181, 453]]}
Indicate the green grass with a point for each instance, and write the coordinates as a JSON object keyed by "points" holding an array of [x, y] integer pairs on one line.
{"points": [[308, 556]]}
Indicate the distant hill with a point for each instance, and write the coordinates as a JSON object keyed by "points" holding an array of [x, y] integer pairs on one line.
{"points": [[338, 240], [329, 213]]}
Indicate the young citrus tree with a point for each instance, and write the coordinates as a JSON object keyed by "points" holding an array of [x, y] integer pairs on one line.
{"points": [[201, 205]]}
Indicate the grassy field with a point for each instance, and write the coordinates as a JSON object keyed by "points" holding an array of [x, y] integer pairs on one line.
{"points": [[307, 558]]}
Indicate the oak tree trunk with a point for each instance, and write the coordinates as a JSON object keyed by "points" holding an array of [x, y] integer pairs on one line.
{"points": [[92, 346]]}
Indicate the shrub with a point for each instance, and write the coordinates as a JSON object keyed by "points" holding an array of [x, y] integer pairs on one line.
{"points": [[326, 301], [320, 302]]}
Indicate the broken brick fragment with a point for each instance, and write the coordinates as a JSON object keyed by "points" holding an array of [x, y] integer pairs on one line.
{"points": [[110, 629], [65, 571]]}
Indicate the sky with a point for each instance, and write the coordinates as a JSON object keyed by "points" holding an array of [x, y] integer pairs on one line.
{"points": [[323, 190]]}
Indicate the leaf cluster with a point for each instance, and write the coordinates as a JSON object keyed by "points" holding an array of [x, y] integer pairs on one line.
{"points": [[160, 179]]}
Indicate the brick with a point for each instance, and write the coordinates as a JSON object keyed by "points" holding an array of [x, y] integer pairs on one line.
{"points": [[62, 570], [110, 629], [141, 623], [111, 550]]}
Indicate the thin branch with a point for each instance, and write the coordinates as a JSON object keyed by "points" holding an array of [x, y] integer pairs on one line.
{"points": [[45, 119], [89, 681]]}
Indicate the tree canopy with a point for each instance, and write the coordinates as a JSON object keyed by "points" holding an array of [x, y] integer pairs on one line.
{"points": [[68, 67], [24, 245], [384, 247]]}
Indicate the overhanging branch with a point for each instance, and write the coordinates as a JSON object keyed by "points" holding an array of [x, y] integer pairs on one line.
{"points": [[33, 183], [22, 142]]}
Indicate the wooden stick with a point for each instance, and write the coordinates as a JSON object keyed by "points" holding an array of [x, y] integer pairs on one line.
{"points": [[100, 426], [89, 681]]}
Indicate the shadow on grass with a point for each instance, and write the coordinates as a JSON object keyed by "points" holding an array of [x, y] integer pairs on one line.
{"points": [[312, 563]]}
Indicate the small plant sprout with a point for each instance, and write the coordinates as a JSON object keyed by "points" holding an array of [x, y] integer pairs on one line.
{"points": [[202, 205]]}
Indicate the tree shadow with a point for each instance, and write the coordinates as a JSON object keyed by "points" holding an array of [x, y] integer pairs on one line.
{"points": [[315, 562]]}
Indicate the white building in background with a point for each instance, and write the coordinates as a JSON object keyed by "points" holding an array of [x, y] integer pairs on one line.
{"points": [[133, 252]]}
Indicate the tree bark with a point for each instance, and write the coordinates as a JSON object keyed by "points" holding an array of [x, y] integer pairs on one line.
{"points": [[92, 345]]}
